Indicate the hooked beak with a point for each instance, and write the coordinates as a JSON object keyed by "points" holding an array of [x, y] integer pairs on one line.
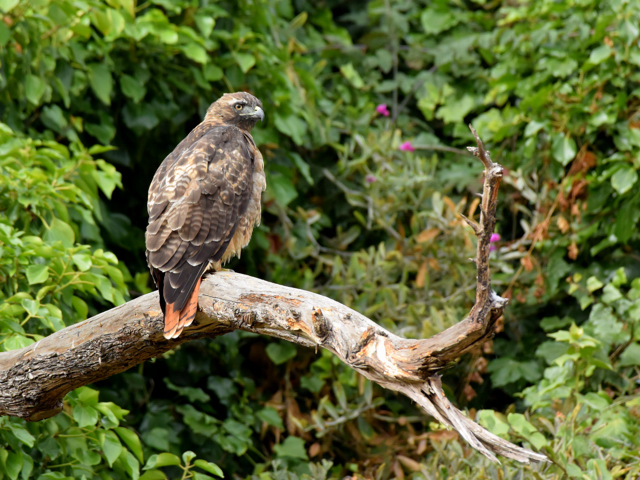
{"points": [[258, 113]]}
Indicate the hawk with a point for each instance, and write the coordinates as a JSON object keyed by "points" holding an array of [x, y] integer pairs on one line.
{"points": [[203, 203]]}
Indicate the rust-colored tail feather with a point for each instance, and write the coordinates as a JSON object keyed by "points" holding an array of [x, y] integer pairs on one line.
{"points": [[176, 320]]}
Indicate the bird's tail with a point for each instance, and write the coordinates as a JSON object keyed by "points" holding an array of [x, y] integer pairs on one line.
{"points": [[176, 320]]}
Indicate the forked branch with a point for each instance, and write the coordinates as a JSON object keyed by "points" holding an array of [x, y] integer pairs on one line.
{"points": [[35, 379]]}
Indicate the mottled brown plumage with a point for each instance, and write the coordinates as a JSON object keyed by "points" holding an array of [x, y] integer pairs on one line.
{"points": [[203, 203]]}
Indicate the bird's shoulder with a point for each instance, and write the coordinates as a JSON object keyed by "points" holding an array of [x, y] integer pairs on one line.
{"points": [[201, 162], [211, 143]]}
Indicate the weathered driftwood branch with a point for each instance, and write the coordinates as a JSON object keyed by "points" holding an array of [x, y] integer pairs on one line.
{"points": [[34, 380]]}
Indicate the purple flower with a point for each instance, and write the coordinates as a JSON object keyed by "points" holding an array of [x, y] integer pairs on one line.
{"points": [[495, 237], [406, 147], [370, 179], [382, 109]]}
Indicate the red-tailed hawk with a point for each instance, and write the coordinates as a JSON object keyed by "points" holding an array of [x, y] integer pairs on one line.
{"points": [[204, 201]]}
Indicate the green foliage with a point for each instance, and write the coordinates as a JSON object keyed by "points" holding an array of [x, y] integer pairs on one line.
{"points": [[51, 260], [93, 96]]}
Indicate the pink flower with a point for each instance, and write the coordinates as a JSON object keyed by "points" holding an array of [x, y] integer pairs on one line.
{"points": [[370, 179], [382, 109], [495, 237], [407, 147]]}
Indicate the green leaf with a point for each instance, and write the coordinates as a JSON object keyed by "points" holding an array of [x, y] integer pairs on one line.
{"points": [[111, 447], [209, 467], [162, 460], [271, 416], [303, 167], [132, 87], [85, 415], [201, 476], [101, 81], [60, 231], [631, 355], [132, 441], [131, 465], [153, 475], [87, 395], [37, 274], [455, 110], [104, 287], [168, 36], [550, 324], [292, 447], [245, 61], [87, 456], [205, 24], [610, 294], [97, 149], [493, 422], [82, 261], [620, 278], [597, 402], [27, 467], [594, 284], [624, 179], [34, 89], [116, 22], [101, 20], [533, 128], [129, 6], [610, 432], [507, 370], [16, 342], [5, 34], [30, 305], [157, 438], [281, 352], [104, 131], [600, 54], [53, 118], [212, 73], [194, 394], [520, 424], [282, 189], [223, 387], [195, 52], [606, 327], [436, 20], [106, 181], [290, 125], [563, 148], [188, 456], [7, 5], [352, 75], [313, 383], [13, 464], [81, 307], [111, 410], [574, 471], [22, 434]]}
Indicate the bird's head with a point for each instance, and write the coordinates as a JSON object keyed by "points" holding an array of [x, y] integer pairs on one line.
{"points": [[240, 109]]}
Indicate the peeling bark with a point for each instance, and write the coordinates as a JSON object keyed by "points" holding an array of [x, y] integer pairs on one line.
{"points": [[35, 379]]}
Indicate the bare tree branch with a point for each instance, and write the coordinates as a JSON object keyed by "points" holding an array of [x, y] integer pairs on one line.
{"points": [[35, 379]]}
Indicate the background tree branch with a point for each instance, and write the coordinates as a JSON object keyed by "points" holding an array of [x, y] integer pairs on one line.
{"points": [[35, 379]]}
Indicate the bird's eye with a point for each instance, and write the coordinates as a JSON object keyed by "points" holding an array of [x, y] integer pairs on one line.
{"points": [[239, 106]]}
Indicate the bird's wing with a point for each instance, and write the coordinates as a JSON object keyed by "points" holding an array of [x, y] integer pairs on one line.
{"points": [[195, 202]]}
